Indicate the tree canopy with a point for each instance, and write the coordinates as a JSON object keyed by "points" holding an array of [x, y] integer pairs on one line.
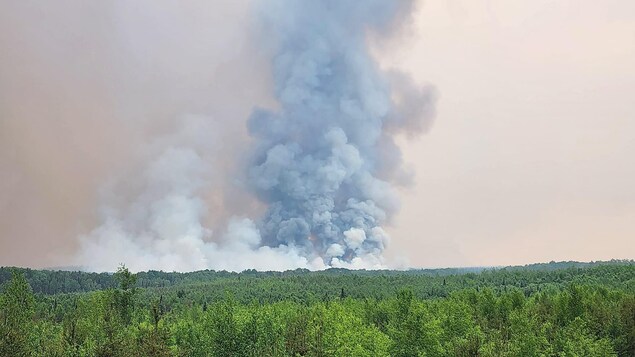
{"points": [[563, 311]]}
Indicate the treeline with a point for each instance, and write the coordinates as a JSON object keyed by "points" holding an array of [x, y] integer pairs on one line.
{"points": [[590, 312], [310, 288], [425, 282]]}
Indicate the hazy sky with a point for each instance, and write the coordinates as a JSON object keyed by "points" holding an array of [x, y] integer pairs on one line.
{"points": [[531, 156]]}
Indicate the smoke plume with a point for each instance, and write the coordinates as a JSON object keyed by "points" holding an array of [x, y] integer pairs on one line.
{"points": [[306, 181], [324, 160]]}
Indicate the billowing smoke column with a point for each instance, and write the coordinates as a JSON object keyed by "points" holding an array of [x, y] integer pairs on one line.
{"points": [[323, 163], [324, 159]]}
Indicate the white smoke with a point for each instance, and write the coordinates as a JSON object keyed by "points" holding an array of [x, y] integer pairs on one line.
{"points": [[161, 225]]}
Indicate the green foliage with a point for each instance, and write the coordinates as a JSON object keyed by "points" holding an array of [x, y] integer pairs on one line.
{"points": [[573, 311], [17, 306], [122, 298], [301, 283]]}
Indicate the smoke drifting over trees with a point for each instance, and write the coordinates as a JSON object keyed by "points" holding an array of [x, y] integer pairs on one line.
{"points": [[186, 177]]}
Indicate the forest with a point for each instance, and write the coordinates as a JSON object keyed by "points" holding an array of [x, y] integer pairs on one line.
{"points": [[551, 309]]}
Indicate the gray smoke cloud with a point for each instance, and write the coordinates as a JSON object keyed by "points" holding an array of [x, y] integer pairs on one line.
{"points": [[324, 160], [322, 163], [127, 135]]}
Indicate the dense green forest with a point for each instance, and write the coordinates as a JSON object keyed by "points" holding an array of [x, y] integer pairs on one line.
{"points": [[553, 309]]}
